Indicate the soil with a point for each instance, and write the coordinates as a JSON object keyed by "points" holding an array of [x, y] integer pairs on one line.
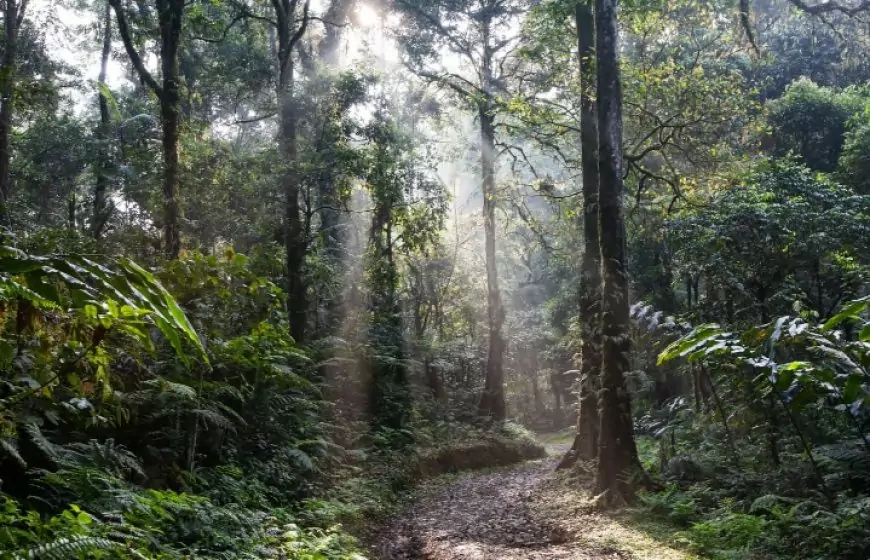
{"points": [[526, 512]]}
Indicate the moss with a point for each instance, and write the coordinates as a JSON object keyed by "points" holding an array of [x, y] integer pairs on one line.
{"points": [[494, 451]]}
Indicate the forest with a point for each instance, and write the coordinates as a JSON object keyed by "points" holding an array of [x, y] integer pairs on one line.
{"points": [[442, 279]]}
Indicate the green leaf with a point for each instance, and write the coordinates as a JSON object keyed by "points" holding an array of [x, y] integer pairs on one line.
{"points": [[852, 388], [692, 342], [852, 310], [106, 93], [133, 290]]}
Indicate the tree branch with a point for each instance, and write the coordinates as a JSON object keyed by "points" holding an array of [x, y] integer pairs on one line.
{"points": [[301, 31], [445, 81], [135, 59], [226, 30], [831, 6], [256, 119]]}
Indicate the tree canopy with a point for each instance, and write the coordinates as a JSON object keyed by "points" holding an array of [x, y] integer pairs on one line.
{"points": [[266, 265]]}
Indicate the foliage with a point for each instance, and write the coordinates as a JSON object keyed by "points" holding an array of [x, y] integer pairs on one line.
{"points": [[809, 371], [161, 409], [811, 121], [854, 165], [778, 236]]}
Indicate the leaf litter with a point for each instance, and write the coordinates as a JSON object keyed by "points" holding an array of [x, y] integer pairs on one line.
{"points": [[524, 512]]}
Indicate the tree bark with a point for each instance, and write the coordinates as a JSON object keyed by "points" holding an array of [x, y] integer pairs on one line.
{"points": [[100, 210], [618, 463], [169, 19], [294, 244], [492, 402], [586, 442], [13, 17]]}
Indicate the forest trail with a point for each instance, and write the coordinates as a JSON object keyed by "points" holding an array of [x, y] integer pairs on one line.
{"points": [[523, 512]]}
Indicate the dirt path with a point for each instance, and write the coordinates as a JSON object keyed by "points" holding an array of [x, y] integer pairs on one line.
{"points": [[523, 512]]}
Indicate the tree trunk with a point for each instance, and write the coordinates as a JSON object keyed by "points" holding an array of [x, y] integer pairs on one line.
{"points": [[101, 210], [618, 463], [492, 402], [336, 15], [329, 199], [434, 382], [12, 19], [297, 304], [586, 442], [296, 292], [169, 15]]}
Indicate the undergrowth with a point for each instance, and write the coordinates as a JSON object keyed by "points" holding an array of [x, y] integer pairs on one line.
{"points": [[214, 441], [758, 514]]}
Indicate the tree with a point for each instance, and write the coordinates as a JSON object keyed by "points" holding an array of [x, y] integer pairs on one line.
{"points": [[479, 32], [586, 444], [101, 209], [169, 18], [335, 19], [289, 33], [854, 165], [617, 453], [811, 121], [289, 27], [327, 145], [13, 19], [777, 235]]}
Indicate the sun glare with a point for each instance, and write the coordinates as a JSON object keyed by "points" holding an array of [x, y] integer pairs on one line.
{"points": [[367, 16]]}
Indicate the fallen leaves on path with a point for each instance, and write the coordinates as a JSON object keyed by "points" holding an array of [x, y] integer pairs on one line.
{"points": [[522, 513]]}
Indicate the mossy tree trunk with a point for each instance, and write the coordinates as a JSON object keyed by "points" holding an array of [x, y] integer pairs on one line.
{"points": [[586, 443], [492, 402], [618, 464]]}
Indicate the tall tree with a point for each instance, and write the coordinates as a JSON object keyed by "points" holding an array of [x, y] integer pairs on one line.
{"points": [[386, 178], [335, 20], [586, 441], [492, 402], [289, 32], [482, 34], [617, 453], [169, 18], [13, 17], [101, 210], [287, 27]]}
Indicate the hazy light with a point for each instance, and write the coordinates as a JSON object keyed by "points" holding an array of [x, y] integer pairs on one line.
{"points": [[367, 17]]}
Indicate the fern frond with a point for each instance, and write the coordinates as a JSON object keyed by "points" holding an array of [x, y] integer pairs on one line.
{"points": [[35, 435], [177, 389], [107, 455], [65, 548], [9, 449], [302, 458], [214, 419], [229, 412]]}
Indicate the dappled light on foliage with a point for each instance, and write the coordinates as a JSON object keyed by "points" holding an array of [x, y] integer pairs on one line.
{"points": [[444, 279]]}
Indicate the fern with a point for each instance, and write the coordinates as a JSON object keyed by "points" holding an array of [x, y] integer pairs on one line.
{"points": [[106, 455], [213, 419], [175, 389], [36, 437], [302, 458], [72, 547], [10, 449]]}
